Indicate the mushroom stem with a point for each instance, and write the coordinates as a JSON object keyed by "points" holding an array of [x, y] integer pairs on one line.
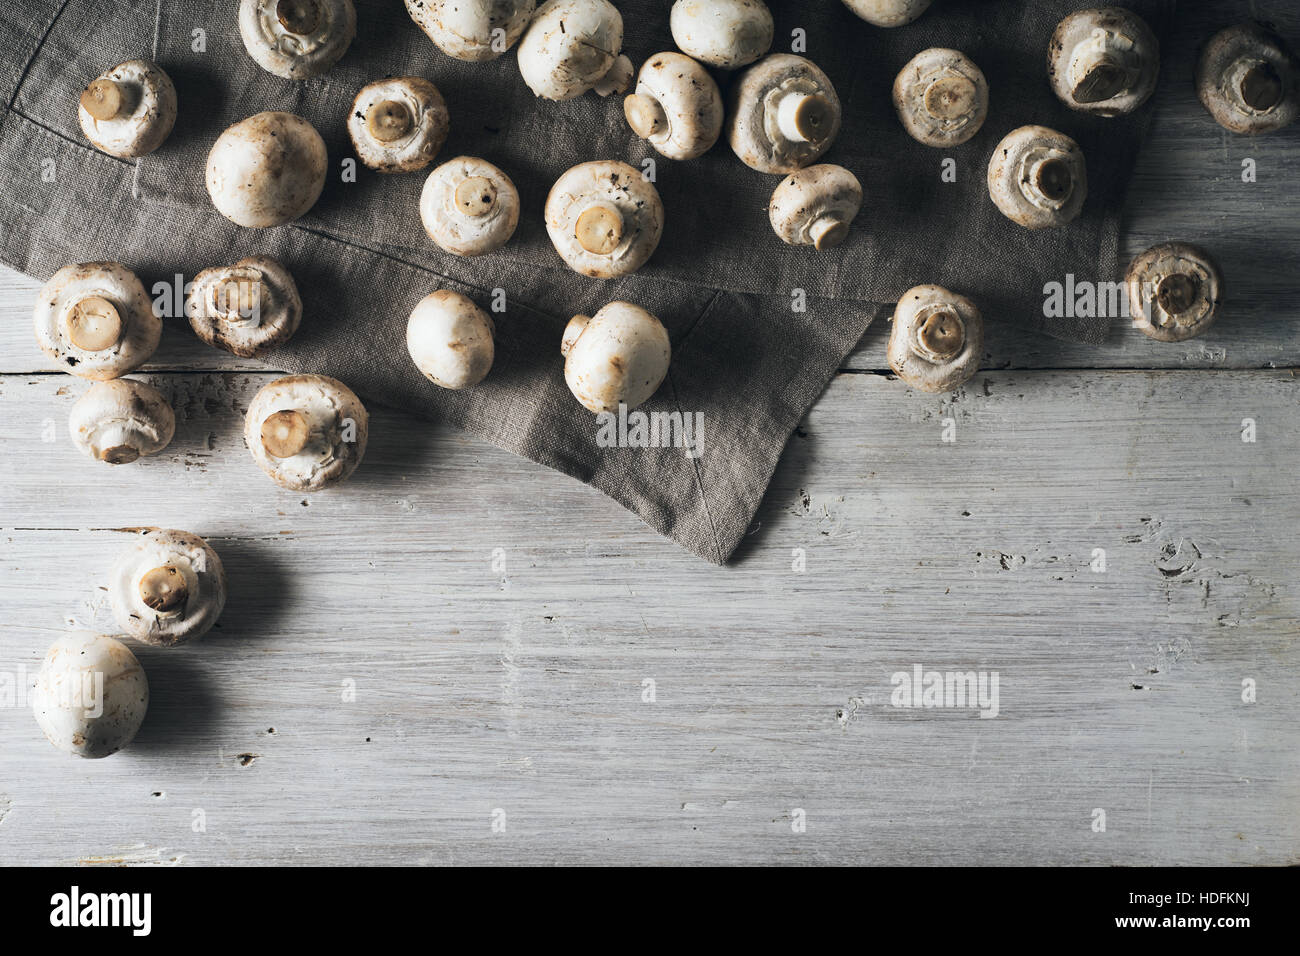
{"points": [[1103, 78], [163, 589], [94, 324], [1050, 180], [103, 99], [645, 115], [572, 331], [950, 97], [1260, 86], [805, 117], [828, 231], [940, 335], [475, 196], [599, 229], [117, 444], [285, 433], [1177, 292], [299, 17], [389, 120]]}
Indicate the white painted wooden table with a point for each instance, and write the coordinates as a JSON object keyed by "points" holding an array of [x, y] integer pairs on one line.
{"points": [[459, 637]]}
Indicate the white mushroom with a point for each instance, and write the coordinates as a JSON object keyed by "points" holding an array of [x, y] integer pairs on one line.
{"points": [[942, 98], [120, 420], [469, 207], [1103, 60], [297, 39], [306, 431], [677, 106], [1174, 291], [247, 308], [95, 318], [90, 696], [450, 340], [937, 339], [784, 114], [814, 206], [398, 124], [604, 218], [266, 170], [619, 356], [1249, 80], [1038, 178], [723, 33], [129, 110], [472, 29], [169, 587], [888, 13], [570, 46]]}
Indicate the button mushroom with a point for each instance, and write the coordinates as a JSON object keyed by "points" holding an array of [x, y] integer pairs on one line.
{"points": [[306, 431], [937, 339], [169, 587], [297, 39], [1038, 178], [1103, 60], [942, 98], [1249, 80], [619, 356], [676, 106], [96, 319], [120, 420], [723, 33], [129, 110], [604, 218], [814, 206], [398, 124], [91, 695], [1174, 290], [784, 114], [450, 340], [888, 13], [472, 29], [469, 207], [266, 170], [247, 308], [570, 47]]}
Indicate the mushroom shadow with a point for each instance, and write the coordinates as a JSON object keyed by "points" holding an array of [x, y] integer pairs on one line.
{"points": [[259, 590], [183, 702]]}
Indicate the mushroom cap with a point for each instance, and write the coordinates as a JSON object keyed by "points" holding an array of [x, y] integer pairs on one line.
{"points": [[450, 339], [1038, 177], [247, 308], [268, 29], [195, 577], [461, 220], [464, 28], [146, 112], [417, 106], [937, 339], [121, 420], [776, 100], [1174, 290], [942, 98], [677, 106], [619, 355], [74, 298], [814, 206], [1249, 80], [91, 695], [570, 46], [336, 428], [267, 170], [621, 202], [722, 33], [1103, 60], [888, 13]]}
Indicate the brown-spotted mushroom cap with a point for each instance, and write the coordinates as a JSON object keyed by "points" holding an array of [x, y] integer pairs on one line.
{"points": [[398, 124], [472, 29], [129, 110], [1038, 177], [266, 170], [888, 13], [120, 420], [677, 106], [1104, 60], [469, 207], [814, 206], [723, 33], [620, 355], [169, 587], [784, 114], [450, 340], [95, 319], [937, 339], [1249, 80], [297, 39], [570, 46], [1174, 290], [90, 696], [306, 431], [604, 218], [942, 98], [246, 308]]}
